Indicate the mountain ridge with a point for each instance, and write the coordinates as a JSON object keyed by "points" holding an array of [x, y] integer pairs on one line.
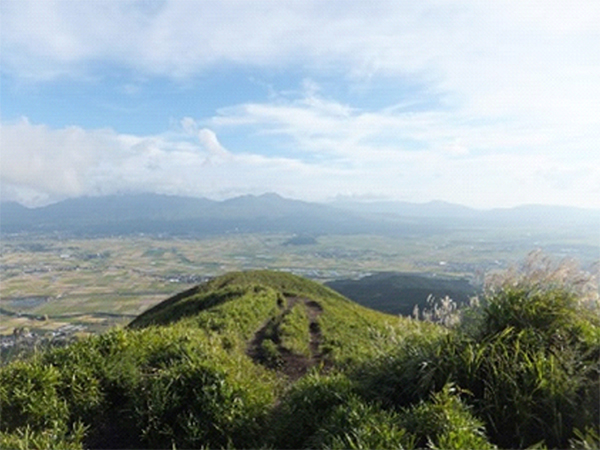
{"points": [[157, 213], [154, 213]]}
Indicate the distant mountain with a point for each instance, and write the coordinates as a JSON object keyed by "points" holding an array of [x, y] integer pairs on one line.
{"points": [[433, 209], [125, 207], [163, 214], [13, 212], [152, 213], [444, 210], [108, 214], [545, 214]]}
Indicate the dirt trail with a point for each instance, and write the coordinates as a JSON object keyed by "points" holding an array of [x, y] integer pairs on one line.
{"points": [[279, 358], [314, 311]]}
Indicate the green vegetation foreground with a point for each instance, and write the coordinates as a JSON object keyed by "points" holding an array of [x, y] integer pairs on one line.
{"points": [[270, 360]]}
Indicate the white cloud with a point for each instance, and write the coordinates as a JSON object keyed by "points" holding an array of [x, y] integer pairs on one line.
{"points": [[52, 163], [41, 165], [518, 79], [497, 58], [191, 161], [428, 155], [208, 140]]}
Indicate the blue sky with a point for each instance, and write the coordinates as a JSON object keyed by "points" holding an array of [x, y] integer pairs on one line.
{"points": [[487, 104]]}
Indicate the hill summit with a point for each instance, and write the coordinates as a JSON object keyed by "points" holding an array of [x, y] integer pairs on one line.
{"points": [[280, 320]]}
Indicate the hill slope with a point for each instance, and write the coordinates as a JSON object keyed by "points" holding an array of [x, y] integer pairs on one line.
{"points": [[270, 360], [203, 368], [245, 304], [399, 293]]}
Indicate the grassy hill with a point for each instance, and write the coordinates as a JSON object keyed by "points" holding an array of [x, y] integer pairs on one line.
{"points": [[270, 360], [399, 293]]}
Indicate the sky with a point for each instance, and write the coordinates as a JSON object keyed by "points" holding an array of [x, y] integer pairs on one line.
{"points": [[482, 103]]}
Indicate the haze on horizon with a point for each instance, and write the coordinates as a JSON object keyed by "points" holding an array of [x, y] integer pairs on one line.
{"points": [[485, 104]]}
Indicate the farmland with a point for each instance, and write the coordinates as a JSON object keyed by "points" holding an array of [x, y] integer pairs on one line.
{"points": [[53, 281]]}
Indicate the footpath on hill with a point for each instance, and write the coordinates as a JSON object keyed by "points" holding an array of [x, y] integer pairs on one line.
{"points": [[292, 364]]}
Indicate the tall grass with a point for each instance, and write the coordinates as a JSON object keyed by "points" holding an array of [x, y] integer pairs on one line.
{"points": [[521, 369], [528, 362], [153, 388], [327, 412]]}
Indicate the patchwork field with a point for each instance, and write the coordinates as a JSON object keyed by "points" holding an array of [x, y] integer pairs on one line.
{"points": [[50, 282]]}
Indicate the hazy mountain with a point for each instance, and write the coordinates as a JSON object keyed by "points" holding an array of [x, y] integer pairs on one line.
{"points": [[433, 209], [13, 212], [108, 214], [153, 213], [545, 214], [444, 210], [125, 207]]}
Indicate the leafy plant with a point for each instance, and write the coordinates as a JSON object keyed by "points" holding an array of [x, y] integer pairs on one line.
{"points": [[530, 370], [445, 422], [306, 407], [524, 371]]}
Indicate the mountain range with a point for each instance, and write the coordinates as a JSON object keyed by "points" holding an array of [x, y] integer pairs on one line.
{"points": [[154, 213]]}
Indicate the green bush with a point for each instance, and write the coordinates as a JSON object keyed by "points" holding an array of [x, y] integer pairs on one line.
{"points": [[306, 407], [57, 436], [29, 396], [530, 370], [356, 424], [156, 387], [445, 422], [557, 301], [191, 406], [326, 412], [406, 375]]}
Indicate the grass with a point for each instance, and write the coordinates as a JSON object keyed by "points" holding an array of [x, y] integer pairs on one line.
{"points": [[528, 367], [133, 387], [294, 330], [147, 388], [521, 370]]}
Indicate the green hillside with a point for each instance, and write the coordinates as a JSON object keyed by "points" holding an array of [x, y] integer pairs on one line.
{"points": [[399, 293], [270, 360]]}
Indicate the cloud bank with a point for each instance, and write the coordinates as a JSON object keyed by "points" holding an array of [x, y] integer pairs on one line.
{"points": [[41, 165], [506, 112], [331, 149]]}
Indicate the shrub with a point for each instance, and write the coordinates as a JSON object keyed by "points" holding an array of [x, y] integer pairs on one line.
{"points": [[407, 374], [445, 422], [134, 389], [356, 424], [556, 300], [306, 407], [29, 396], [56, 436], [191, 406], [531, 366]]}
